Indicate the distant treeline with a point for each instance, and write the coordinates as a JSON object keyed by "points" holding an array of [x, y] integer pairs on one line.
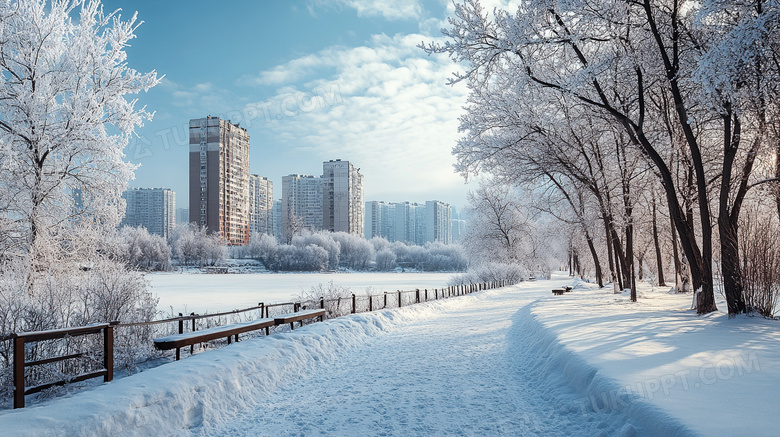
{"points": [[308, 251]]}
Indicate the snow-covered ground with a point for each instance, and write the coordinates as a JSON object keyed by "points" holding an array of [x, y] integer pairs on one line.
{"points": [[511, 361], [719, 376], [202, 293]]}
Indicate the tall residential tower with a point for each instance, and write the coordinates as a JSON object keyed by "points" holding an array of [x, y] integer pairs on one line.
{"points": [[219, 178], [261, 202], [152, 208], [301, 206], [342, 197]]}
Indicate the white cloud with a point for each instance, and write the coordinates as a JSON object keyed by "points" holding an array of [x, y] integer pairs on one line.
{"points": [[202, 97], [395, 117], [389, 9]]}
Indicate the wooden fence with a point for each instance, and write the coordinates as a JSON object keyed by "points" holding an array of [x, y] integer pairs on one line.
{"points": [[336, 307]]}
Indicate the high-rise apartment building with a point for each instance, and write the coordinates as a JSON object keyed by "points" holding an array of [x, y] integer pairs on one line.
{"points": [[458, 230], [301, 204], [152, 208], [261, 199], [219, 178], [405, 222], [277, 221], [410, 223], [342, 197], [182, 216], [438, 222], [379, 220]]}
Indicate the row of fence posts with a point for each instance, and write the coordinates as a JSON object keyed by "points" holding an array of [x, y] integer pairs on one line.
{"points": [[19, 340]]}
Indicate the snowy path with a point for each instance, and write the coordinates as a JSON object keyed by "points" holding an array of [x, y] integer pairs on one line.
{"points": [[459, 371]]}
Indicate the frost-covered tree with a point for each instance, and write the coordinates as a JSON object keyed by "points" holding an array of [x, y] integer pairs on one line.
{"points": [[385, 259], [65, 117], [684, 78], [324, 240], [499, 230], [192, 245], [140, 249], [356, 251]]}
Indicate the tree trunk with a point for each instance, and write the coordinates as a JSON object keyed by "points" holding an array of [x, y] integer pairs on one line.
{"points": [[732, 273], [630, 277], [595, 256], [658, 258], [618, 266], [677, 263]]}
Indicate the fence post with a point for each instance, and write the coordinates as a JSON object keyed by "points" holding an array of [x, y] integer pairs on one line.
{"points": [[108, 351], [353, 303], [194, 328], [436, 294], [417, 296], [322, 307], [399, 298], [370, 303], [181, 331], [19, 372], [385, 300], [426, 295], [262, 311]]}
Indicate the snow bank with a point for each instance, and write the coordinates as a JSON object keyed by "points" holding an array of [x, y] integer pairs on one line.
{"points": [[553, 365], [208, 387], [661, 363]]}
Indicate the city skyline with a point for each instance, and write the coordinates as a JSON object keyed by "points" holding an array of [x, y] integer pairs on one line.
{"points": [[337, 81]]}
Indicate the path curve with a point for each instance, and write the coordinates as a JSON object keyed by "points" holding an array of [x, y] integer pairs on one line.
{"points": [[457, 372]]}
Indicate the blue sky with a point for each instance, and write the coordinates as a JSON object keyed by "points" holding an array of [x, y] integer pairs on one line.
{"points": [[311, 80]]}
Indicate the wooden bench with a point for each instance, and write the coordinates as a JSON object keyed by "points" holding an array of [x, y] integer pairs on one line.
{"points": [[300, 316], [178, 341], [558, 291]]}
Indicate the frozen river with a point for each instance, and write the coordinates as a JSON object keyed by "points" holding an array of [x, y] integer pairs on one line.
{"points": [[200, 293]]}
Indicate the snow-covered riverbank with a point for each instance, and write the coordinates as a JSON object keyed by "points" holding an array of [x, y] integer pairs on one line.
{"points": [[510, 361]]}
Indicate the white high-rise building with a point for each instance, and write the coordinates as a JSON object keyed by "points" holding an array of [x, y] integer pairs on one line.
{"points": [[261, 195], [379, 220], [301, 204], [277, 219], [152, 208], [438, 222], [342, 197], [405, 222], [458, 230]]}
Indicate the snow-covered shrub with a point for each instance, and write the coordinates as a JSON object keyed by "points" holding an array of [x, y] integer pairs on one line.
{"points": [[356, 251], [263, 247], [138, 248], [191, 245], [299, 259], [491, 272], [379, 243], [72, 294], [444, 257], [324, 240], [760, 262], [338, 299], [385, 259]]}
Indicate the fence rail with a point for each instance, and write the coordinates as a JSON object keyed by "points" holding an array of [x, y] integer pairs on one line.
{"points": [[336, 307], [19, 363]]}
